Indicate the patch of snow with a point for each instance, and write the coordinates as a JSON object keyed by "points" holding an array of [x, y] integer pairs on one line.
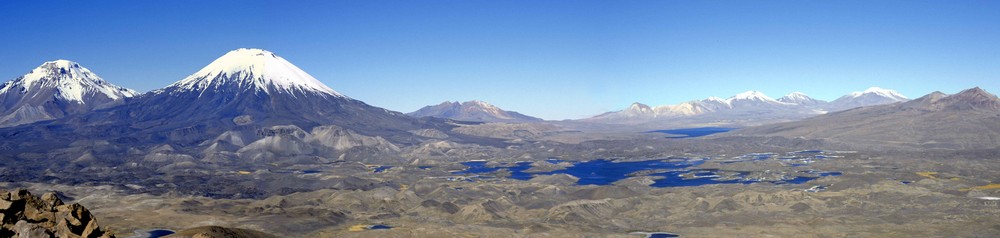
{"points": [[750, 95], [815, 189], [886, 93], [488, 108], [639, 108], [754, 96], [715, 99], [797, 97]]}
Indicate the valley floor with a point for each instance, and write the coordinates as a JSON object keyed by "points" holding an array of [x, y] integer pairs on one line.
{"points": [[903, 194]]}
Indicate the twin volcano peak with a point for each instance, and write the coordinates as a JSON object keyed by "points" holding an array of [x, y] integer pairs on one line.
{"points": [[973, 98], [255, 69]]}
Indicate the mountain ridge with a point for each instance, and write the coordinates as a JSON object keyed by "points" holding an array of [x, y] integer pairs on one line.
{"points": [[746, 108], [475, 110], [202, 107], [969, 119]]}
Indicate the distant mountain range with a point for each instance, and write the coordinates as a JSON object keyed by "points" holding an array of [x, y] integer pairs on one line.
{"points": [[253, 104], [477, 111], [54, 90], [248, 103], [254, 85], [747, 108], [966, 120]]}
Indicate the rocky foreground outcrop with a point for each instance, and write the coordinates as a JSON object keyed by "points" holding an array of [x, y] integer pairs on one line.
{"points": [[24, 215]]}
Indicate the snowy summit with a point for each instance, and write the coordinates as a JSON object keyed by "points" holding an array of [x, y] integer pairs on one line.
{"points": [[871, 96], [70, 81], [752, 97], [799, 98], [253, 68], [881, 92]]}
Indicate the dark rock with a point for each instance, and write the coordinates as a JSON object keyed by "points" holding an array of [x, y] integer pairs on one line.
{"points": [[450, 207], [26, 229], [24, 215]]}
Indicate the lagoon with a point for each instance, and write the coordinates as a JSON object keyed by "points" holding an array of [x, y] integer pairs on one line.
{"points": [[694, 132], [673, 172]]}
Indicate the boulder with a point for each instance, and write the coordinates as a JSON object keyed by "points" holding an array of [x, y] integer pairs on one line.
{"points": [[24, 215]]}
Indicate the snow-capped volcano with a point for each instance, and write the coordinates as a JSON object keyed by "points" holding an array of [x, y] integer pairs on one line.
{"points": [[483, 106], [56, 89], [253, 88], [799, 98], [869, 97], [638, 109], [247, 98], [881, 92], [70, 81], [472, 111], [255, 69], [752, 97], [749, 96]]}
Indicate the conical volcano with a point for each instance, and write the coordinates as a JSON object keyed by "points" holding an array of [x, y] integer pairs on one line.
{"points": [[257, 88], [255, 70], [54, 90]]}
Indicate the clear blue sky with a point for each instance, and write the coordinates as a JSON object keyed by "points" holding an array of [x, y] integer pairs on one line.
{"points": [[552, 59]]}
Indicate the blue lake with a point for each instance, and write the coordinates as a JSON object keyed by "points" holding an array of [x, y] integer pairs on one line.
{"points": [[694, 132], [605, 172], [379, 227], [382, 168], [661, 235], [480, 167], [160, 233]]}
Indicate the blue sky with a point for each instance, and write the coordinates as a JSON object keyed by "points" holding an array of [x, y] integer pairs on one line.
{"points": [[552, 59]]}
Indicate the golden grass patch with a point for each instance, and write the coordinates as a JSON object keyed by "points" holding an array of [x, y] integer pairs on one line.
{"points": [[932, 175], [360, 227]]}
